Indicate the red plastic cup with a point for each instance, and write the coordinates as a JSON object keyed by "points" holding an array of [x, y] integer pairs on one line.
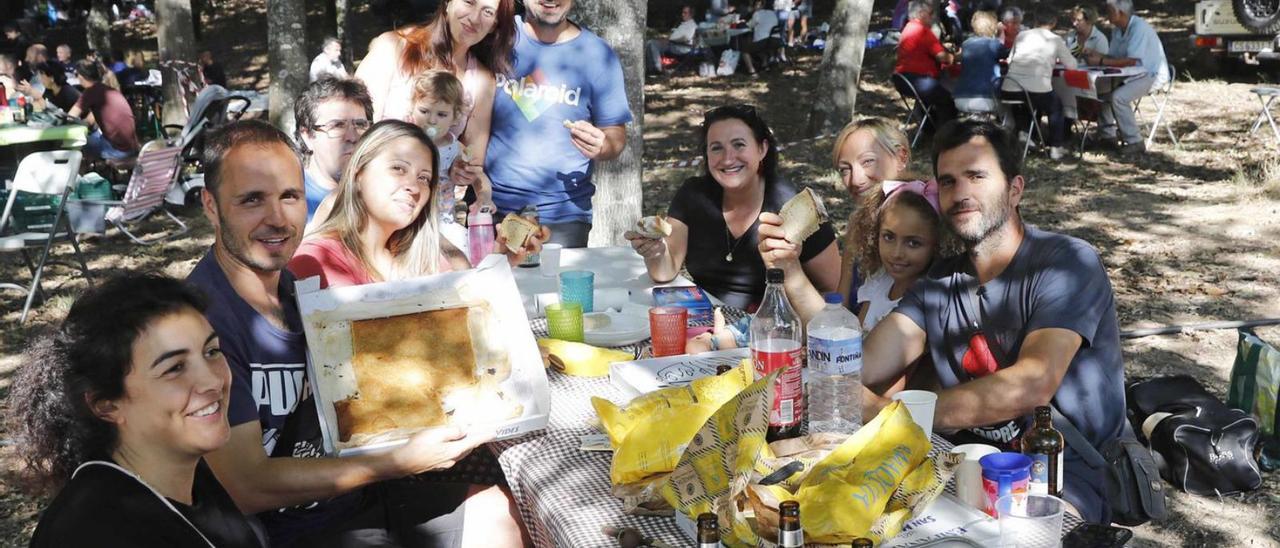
{"points": [[668, 327]]}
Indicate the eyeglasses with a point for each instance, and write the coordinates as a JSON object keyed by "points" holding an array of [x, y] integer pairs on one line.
{"points": [[338, 128]]}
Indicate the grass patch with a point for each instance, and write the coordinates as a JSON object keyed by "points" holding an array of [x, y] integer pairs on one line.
{"points": [[1258, 180]]}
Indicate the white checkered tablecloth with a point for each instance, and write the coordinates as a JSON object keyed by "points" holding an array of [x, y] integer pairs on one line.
{"points": [[563, 492]]}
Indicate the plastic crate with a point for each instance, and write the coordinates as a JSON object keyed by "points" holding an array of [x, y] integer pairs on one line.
{"points": [[31, 212]]}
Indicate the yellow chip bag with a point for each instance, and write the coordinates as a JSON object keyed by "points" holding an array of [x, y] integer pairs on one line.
{"points": [[849, 489], [650, 432]]}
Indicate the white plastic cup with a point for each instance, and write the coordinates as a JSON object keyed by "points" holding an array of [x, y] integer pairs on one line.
{"points": [[969, 474], [920, 403], [550, 259], [1030, 520]]}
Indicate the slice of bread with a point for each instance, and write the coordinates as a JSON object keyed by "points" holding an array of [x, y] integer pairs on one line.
{"points": [[654, 227], [802, 215], [517, 230]]}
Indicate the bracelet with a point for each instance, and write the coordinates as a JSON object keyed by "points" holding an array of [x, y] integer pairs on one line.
{"points": [[715, 343]]}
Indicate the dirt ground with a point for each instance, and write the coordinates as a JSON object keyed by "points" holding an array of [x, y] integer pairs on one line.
{"points": [[1188, 234]]}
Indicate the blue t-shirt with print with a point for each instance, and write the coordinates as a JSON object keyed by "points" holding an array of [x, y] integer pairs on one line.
{"points": [[531, 159], [269, 385]]}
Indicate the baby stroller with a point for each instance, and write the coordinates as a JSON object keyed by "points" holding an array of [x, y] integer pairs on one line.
{"points": [[213, 108]]}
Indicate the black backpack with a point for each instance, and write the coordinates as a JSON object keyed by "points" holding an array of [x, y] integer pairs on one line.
{"points": [[1204, 447]]}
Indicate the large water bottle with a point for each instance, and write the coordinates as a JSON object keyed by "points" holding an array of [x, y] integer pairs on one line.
{"points": [[835, 369], [480, 235]]}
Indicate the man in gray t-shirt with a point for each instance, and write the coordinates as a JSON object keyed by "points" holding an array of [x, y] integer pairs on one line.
{"points": [[1025, 317]]}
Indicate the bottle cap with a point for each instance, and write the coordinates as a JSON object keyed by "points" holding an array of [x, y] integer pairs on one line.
{"points": [[833, 298], [773, 276], [707, 517]]}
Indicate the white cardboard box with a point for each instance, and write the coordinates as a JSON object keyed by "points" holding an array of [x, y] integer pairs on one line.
{"points": [[327, 316], [643, 376]]}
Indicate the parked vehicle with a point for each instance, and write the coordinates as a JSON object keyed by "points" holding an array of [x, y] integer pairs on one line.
{"points": [[1243, 30]]}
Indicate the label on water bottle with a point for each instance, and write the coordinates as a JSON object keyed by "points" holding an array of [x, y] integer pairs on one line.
{"points": [[1041, 470], [835, 356], [774, 354]]}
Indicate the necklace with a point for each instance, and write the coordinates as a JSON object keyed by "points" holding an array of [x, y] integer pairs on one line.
{"points": [[731, 242]]}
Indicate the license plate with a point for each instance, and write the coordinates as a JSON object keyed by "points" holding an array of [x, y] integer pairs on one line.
{"points": [[1241, 46]]}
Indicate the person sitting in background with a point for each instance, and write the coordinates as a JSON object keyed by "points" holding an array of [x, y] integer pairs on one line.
{"points": [[718, 9], [1031, 65], [920, 56], [56, 92], [115, 137], [36, 54], [63, 52], [980, 70], [331, 115], [1133, 42], [1087, 38], [8, 66], [329, 61], [135, 70], [682, 40], [1010, 25], [762, 24], [714, 216], [117, 410], [212, 70], [14, 43]]}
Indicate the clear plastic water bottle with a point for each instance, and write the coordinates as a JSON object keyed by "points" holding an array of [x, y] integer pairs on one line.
{"points": [[776, 345], [480, 235], [835, 369]]}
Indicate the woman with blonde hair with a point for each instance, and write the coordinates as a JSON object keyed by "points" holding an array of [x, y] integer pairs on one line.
{"points": [[381, 222], [867, 152], [980, 70]]}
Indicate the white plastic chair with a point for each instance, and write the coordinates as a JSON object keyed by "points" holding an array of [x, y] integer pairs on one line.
{"points": [[1163, 93], [53, 175]]}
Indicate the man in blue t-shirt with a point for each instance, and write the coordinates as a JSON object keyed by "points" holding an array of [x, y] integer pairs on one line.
{"points": [[254, 199], [331, 115], [1024, 318], [563, 107]]}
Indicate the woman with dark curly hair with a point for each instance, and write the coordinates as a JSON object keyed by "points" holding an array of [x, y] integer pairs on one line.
{"points": [[116, 408]]}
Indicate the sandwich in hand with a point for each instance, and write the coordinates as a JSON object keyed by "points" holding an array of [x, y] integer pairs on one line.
{"points": [[802, 215], [517, 230], [653, 227]]}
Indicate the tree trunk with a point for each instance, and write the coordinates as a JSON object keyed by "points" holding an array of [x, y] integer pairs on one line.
{"points": [[341, 9], [618, 194], [841, 67], [177, 53], [286, 47], [99, 27]]}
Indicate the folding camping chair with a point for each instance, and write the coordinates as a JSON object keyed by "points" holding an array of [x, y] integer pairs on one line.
{"points": [[156, 170], [1033, 129], [918, 106], [45, 180], [1163, 93]]}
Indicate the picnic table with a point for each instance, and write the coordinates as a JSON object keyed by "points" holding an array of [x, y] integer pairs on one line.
{"points": [[70, 135], [1088, 82], [714, 36], [563, 492]]}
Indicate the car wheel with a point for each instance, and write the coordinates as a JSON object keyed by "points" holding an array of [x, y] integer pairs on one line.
{"points": [[1258, 15]]}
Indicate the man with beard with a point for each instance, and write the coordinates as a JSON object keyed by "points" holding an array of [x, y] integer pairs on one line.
{"points": [[254, 199], [562, 108], [1024, 318]]}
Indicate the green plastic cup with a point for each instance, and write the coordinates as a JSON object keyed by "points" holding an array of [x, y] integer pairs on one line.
{"points": [[564, 321]]}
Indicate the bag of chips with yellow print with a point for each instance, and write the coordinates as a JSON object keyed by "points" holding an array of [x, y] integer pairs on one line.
{"points": [[651, 432], [716, 467], [916, 492]]}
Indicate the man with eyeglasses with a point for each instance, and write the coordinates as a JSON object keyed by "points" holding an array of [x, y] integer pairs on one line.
{"points": [[331, 116]]}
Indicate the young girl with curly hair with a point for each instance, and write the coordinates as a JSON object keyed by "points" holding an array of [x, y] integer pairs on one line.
{"points": [[897, 233]]}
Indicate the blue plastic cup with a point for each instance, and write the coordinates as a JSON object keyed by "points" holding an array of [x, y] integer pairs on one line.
{"points": [[1004, 474], [578, 286]]}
